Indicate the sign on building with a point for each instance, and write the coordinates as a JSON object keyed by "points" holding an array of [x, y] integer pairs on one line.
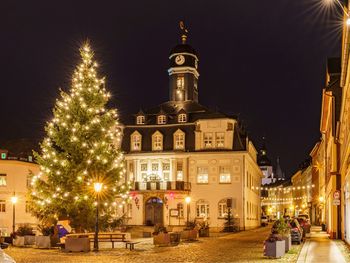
{"points": [[336, 197]]}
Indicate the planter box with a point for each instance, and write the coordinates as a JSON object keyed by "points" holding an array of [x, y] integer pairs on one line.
{"points": [[18, 241], [275, 249], [189, 234], [29, 240], [204, 232], [288, 240], [80, 244], [162, 239], [43, 241]]}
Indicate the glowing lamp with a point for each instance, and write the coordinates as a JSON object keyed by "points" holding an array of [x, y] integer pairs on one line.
{"points": [[14, 199], [187, 199], [98, 187]]}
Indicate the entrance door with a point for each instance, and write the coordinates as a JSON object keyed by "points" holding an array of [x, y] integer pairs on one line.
{"points": [[154, 211]]}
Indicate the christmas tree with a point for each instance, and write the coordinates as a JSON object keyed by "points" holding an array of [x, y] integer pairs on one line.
{"points": [[79, 152]]}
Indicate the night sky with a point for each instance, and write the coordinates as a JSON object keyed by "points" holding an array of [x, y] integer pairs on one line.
{"points": [[265, 60]]}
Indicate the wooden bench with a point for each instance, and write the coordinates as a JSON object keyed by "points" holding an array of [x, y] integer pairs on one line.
{"points": [[102, 237], [131, 244]]}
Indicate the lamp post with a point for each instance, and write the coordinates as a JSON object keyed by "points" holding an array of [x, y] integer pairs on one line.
{"points": [[14, 199], [97, 188], [188, 201]]}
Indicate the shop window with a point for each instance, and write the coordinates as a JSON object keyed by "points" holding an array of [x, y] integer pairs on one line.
{"points": [[180, 208]]}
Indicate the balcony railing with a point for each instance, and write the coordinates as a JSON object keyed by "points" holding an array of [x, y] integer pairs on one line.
{"points": [[178, 185]]}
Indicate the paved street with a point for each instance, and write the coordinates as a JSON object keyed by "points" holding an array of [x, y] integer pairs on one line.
{"points": [[319, 248], [240, 247]]}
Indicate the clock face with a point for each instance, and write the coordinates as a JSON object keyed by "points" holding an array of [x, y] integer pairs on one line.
{"points": [[180, 59]]}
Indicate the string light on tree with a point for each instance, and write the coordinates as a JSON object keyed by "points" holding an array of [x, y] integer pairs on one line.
{"points": [[78, 150]]}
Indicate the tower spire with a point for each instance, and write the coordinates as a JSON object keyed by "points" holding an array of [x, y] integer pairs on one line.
{"points": [[184, 32]]}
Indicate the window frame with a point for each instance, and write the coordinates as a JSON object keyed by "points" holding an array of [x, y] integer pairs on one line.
{"points": [[202, 204], [3, 178], [179, 143], [200, 174], [157, 141], [220, 140], [161, 119], [140, 119], [134, 142], [208, 140], [182, 118], [224, 171]]}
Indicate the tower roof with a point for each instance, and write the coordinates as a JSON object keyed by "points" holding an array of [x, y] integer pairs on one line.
{"points": [[263, 160], [183, 48]]}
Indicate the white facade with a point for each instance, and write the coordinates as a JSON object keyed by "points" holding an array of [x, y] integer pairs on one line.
{"points": [[14, 181]]}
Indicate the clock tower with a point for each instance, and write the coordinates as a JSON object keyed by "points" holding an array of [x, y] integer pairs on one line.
{"points": [[183, 71]]}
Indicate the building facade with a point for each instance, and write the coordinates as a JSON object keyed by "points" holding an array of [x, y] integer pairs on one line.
{"points": [[14, 181], [182, 149]]}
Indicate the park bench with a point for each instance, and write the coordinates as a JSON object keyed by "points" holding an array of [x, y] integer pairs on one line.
{"points": [[131, 244], [102, 237]]}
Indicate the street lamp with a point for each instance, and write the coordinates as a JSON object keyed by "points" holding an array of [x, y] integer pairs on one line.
{"points": [[337, 2], [188, 201], [97, 188], [14, 200]]}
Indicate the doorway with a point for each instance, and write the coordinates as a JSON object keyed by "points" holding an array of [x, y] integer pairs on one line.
{"points": [[154, 211]]}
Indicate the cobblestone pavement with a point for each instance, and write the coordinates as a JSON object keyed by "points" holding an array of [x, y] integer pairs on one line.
{"points": [[245, 246]]}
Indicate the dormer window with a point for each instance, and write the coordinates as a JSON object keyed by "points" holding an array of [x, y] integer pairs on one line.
{"points": [[135, 141], [140, 119], [161, 119], [157, 141], [182, 117], [179, 140]]}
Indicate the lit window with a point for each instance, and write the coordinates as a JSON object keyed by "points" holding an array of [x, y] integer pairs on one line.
{"points": [[3, 180], [179, 171], [2, 206], [136, 141], [161, 119], [225, 174], [166, 171], [202, 175], [180, 208], [182, 117], [220, 139], [144, 169], [180, 83], [202, 209], [157, 141], [223, 208], [208, 140], [179, 140], [140, 119]]}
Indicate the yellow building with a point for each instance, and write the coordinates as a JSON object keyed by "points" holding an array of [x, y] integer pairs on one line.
{"points": [[14, 181]]}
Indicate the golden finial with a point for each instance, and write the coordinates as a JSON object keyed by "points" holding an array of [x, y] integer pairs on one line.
{"points": [[184, 32]]}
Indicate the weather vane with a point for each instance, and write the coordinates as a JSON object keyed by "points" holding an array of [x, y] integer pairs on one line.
{"points": [[184, 32]]}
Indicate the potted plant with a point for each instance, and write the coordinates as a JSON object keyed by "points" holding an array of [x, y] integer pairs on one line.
{"points": [[190, 232], [274, 245], [282, 228], [204, 228], [24, 236], [44, 240], [161, 236]]}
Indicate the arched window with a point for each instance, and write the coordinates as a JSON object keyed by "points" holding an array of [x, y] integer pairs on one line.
{"points": [[180, 208], [182, 117], [161, 119], [157, 141], [179, 140], [135, 141], [140, 119], [202, 208]]}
